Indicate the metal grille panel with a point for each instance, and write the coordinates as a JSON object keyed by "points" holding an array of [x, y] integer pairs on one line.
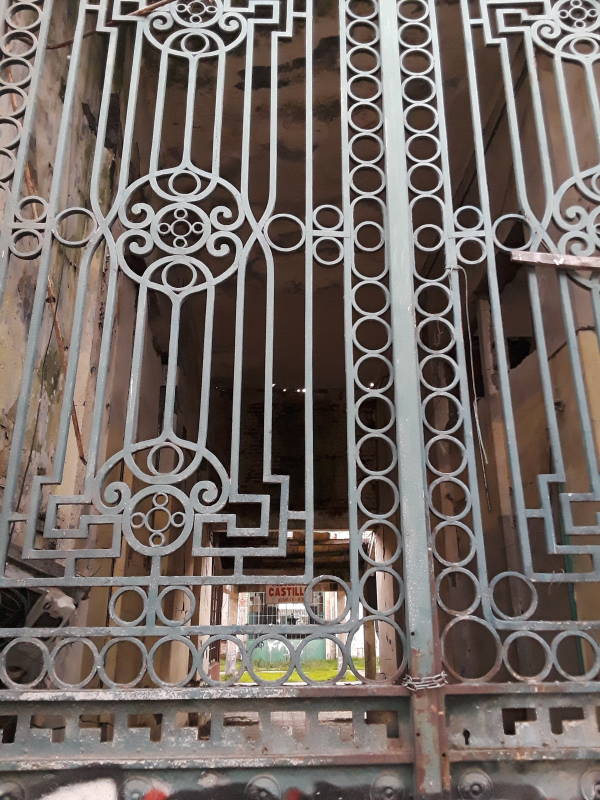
{"points": [[301, 295]]}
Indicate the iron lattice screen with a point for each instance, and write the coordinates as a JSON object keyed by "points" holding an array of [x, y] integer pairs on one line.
{"points": [[285, 307]]}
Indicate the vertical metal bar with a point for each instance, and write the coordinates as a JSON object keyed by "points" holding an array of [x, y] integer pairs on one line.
{"points": [[308, 305], [346, 205], [37, 72], [417, 561]]}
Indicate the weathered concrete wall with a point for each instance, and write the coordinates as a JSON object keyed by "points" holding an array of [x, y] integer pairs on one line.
{"points": [[65, 263]]}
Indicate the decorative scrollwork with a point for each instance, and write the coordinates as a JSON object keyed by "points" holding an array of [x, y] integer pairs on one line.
{"points": [[197, 29], [571, 31], [206, 221]]}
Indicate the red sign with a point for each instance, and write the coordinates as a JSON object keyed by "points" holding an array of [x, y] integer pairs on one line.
{"points": [[285, 593]]}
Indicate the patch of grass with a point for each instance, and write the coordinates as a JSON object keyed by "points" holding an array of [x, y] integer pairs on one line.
{"points": [[318, 671]]}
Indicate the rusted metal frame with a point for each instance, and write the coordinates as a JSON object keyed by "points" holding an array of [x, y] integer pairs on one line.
{"points": [[217, 750], [567, 688], [203, 762], [521, 754], [423, 656], [301, 692], [226, 693]]}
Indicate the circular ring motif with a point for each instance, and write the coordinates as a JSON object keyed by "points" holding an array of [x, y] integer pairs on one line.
{"points": [[373, 321], [440, 528], [433, 287], [589, 674], [20, 43], [365, 25], [288, 218], [366, 138], [205, 649], [375, 287], [112, 605], [527, 636], [493, 637], [10, 133], [180, 228], [364, 52], [398, 582], [386, 402], [316, 637], [259, 642], [7, 164], [379, 523], [189, 612], [355, 14], [428, 403], [166, 640], [310, 589], [6, 71], [447, 573], [86, 218], [381, 621], [439, 360], [106, 680], [518, 577], [369, 110], [364, 80], [52, 674], [334, 211], [180, 521], [368, 225], [374, 439], [328, 245], [24, 641], [442, 440], [457, 484], [378, 480], [419, 11]]}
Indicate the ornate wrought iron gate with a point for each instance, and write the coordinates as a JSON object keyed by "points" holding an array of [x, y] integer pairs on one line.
{"points": [[279, 311]]}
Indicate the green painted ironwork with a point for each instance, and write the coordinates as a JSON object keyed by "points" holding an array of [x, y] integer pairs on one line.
{"points": [[461, 133]]}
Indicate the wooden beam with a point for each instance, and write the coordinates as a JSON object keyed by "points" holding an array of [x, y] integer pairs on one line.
{"points": [[557, 260], [143, 12], [319, 548]]}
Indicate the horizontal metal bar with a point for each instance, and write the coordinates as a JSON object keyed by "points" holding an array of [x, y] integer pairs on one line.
{"points": [[367, 690], [363, 691], [209, 762], [524, 754], [556, 687], [558, 260]]}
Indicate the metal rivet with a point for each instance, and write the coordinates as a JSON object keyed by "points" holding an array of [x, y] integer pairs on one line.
{"points": [[136, 788], [11, 791], [475, 785], [263, 787], [590, 784], [387, 787]]}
